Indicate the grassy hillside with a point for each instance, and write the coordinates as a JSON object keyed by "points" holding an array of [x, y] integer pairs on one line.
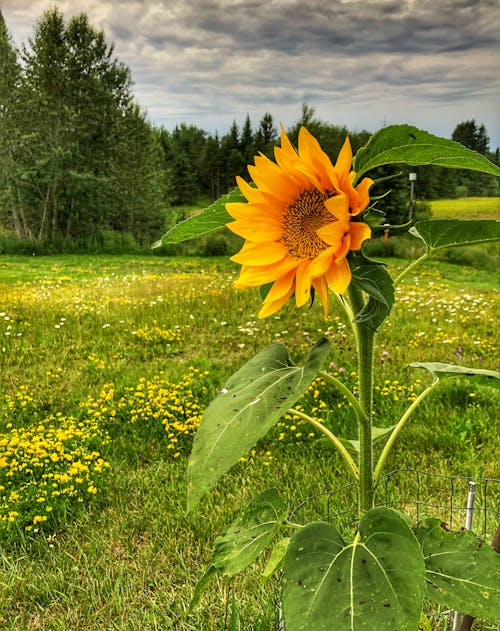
{"points": [[467, 208]]}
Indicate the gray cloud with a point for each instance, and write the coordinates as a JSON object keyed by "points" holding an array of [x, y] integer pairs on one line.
{"points": [[358, 62]]}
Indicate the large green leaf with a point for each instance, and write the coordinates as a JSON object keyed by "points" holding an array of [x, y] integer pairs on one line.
{"points": [[438, 234], [246, 408], [403, 144], [374, 583], [372, 278], [461, 571], [210, 219], [440, 370], [249, 534]]}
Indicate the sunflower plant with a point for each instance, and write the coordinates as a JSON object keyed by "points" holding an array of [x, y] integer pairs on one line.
{"points": [[304, 220]]}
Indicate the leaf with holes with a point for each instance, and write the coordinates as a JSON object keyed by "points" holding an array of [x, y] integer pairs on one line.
{"points": [[248, 405], [249, 534], [404, 144], [462, 572], [374, 583]]}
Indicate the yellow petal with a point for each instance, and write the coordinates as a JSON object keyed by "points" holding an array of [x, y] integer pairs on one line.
{"points": [[271, 178], [286, 152], [321, 263], [338, 205], [309, 174], [321, 287], [311, 152], [250, 210], [332, 234], [341, 253], [256, 196], [359, 232], [303, 283], [363, 195], [254, 276], [250, 192], [262, 231], [281, 287], [344, 161], [260, 253], [268, 308], [338, 276]]}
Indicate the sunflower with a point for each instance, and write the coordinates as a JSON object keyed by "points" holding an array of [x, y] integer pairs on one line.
{"points": [[298, 224]]}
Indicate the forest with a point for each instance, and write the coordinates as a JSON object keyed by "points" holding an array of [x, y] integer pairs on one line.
{"points": [[82, 169]]}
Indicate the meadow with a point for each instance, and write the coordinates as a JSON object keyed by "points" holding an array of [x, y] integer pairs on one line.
{"points": [[106, 366], [470, 207]]}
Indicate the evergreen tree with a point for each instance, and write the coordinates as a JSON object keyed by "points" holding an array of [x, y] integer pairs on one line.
{"points": [[212, 167], [11, 123], [469, 134], [233, 160], [137, 186], [247, 144], [184, 154], [475, 137], [266, 136]]}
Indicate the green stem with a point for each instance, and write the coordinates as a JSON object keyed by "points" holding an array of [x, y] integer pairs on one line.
{"points": [[345, 391], [365, 344], [410, 267], [338, 444], [396, 431]]}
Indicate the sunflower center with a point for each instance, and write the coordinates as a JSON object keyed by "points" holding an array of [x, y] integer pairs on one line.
{"points": [[301, 220]]}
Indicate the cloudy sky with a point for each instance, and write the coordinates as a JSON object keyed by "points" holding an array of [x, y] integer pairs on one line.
{"points": [[359, 63]]}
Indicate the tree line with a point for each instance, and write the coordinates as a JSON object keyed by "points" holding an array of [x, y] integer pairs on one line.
{"points": [[81, 167]]}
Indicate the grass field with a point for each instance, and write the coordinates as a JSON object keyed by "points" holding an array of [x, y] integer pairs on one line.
{"points": [[106, 366], [466, 207]]}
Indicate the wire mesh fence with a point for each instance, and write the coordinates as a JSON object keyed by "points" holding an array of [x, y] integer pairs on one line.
{"points": [[418, 494]]}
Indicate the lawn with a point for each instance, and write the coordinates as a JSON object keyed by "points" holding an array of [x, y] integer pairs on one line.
{"points": [[466, 207], [106, 366]]}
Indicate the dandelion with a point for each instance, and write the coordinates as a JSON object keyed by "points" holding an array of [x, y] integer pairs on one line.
{"points": [[299, 223]]}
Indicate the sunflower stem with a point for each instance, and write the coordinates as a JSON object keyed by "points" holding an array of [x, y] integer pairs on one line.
{"points": [[365, 343]]}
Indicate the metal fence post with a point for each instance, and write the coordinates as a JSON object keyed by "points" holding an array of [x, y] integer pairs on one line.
{"points": [[468, 526]]}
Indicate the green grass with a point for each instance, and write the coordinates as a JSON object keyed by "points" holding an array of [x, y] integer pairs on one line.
{"points": [[129, 557], [466, 208]]}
